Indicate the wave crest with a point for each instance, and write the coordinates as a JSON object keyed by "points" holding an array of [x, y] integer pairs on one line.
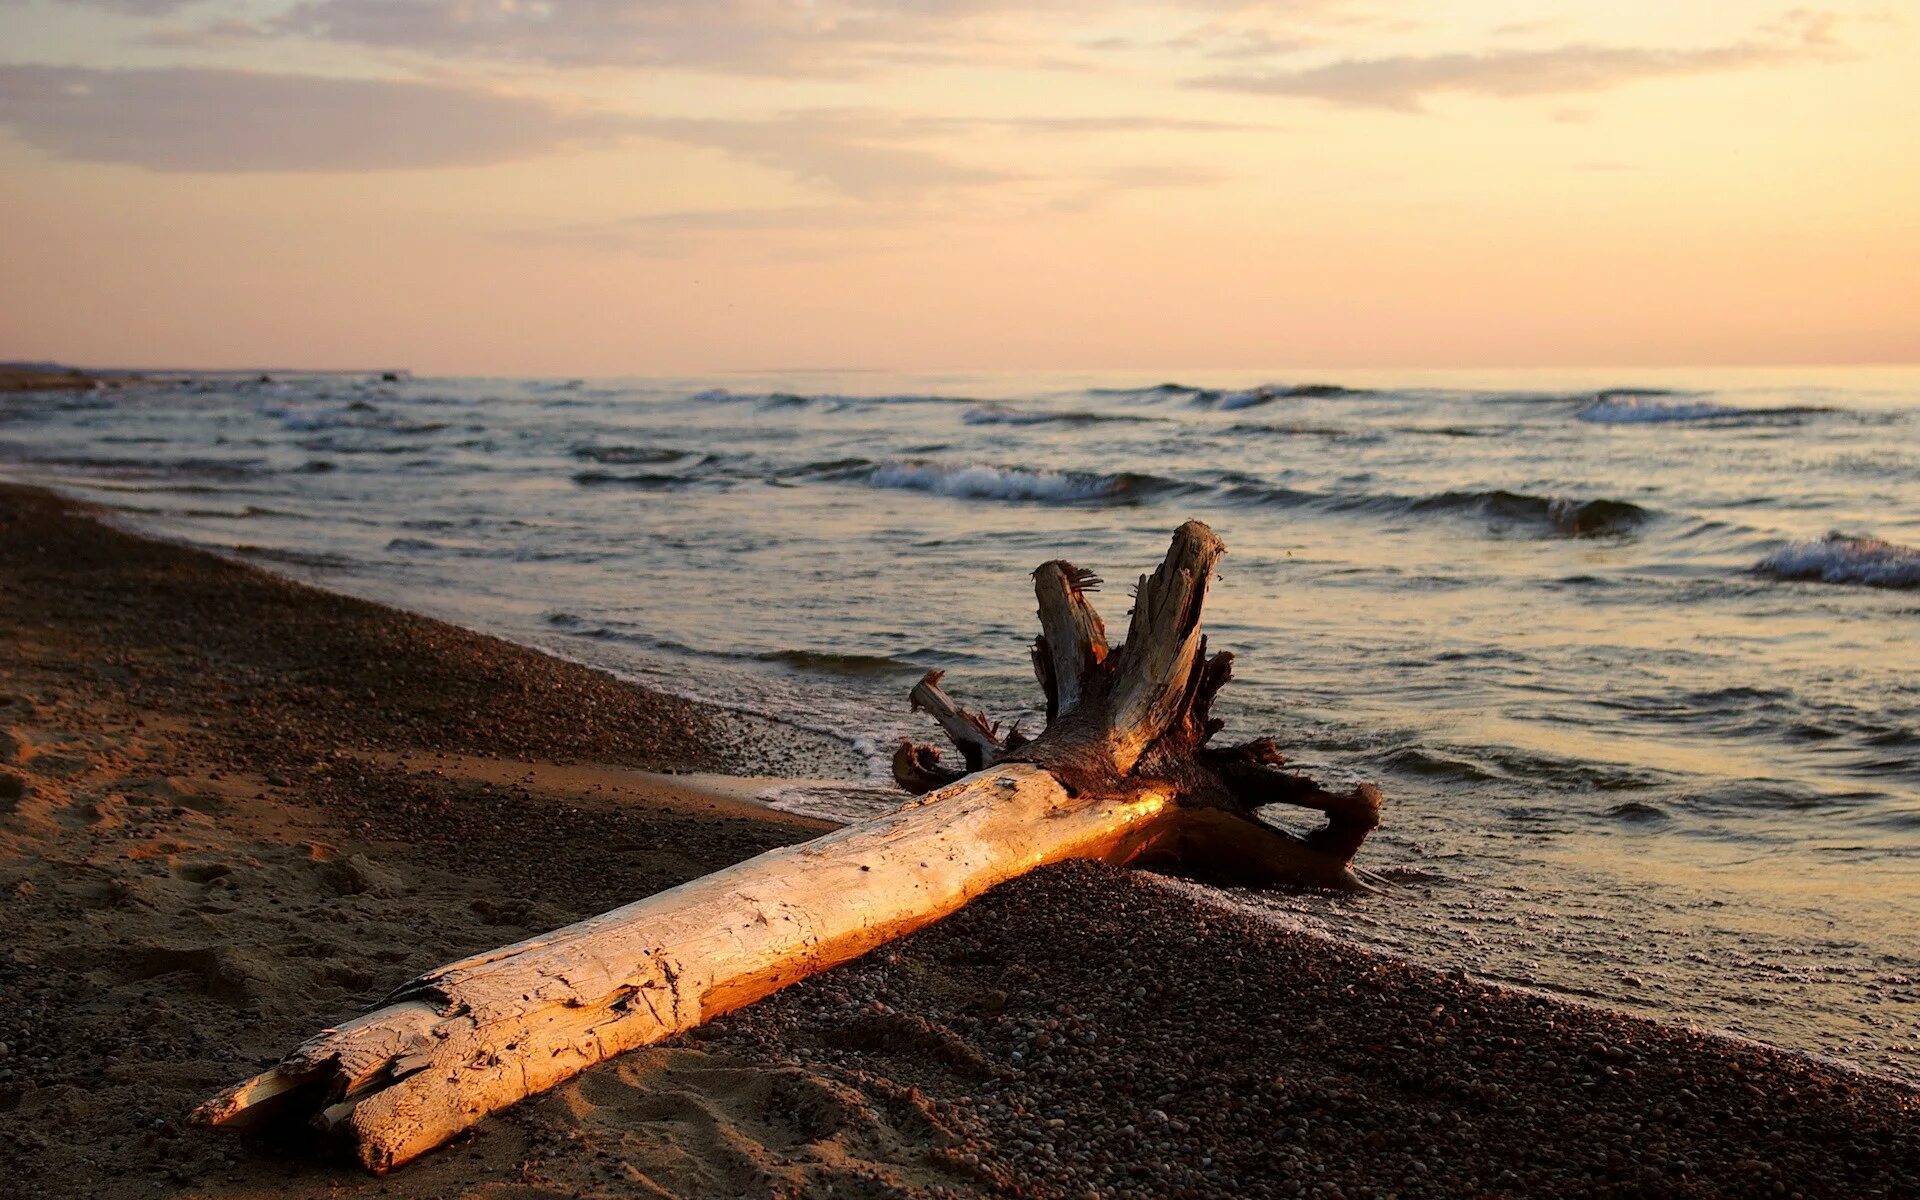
{"points": [[1645, 406], [1838, 558], [1561, 516], [628, 455], [830, 400], [1005, 414], [1232, 398], [978, 482]]}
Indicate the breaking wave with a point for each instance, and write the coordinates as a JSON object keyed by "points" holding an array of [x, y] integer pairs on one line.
{"points": [[974, 482], [1638, 406], [1838, 558]]}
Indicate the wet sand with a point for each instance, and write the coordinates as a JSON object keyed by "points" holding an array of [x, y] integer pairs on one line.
{"points": [[233, 808]]}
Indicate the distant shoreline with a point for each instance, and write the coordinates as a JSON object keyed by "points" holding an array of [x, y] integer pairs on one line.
{"points": [[58, 377]]}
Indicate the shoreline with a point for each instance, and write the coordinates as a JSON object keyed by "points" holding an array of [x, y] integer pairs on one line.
{"points": [[851, 771], [18, 377], [245, 805]]}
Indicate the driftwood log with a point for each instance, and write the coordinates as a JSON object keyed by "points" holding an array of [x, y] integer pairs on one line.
{"points": [[1123, 773]]}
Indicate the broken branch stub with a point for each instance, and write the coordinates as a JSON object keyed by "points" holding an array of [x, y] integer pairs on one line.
{"points": [[1122, 774]]}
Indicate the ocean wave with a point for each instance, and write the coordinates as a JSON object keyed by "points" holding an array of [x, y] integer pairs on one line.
{"points": [[1560, 516], [838, 664], [1637, 810], [1158, 391], [1838, 558], [774, 400], [1233, 398], [643, 480], [358, 414], [201, 468], [1002, 414], [628, 455], [974, 482], [1433, 764], [1267, 394], [1643, 406], [1298, 430], [319, 559]]}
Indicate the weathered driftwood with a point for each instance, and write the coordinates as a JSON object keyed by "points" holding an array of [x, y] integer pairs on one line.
{"points": [[1123, 773]]}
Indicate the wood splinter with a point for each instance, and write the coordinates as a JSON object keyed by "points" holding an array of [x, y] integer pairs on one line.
{"points": [[1123, 773]]}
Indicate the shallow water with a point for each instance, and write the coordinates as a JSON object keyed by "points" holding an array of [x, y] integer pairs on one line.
{"points": [[1633, 658]]}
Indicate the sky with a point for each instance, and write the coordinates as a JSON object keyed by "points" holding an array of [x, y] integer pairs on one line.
{"points": [[601, 187]]}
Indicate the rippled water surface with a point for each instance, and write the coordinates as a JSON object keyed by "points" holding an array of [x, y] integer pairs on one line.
{"points": [[1633, 658]]}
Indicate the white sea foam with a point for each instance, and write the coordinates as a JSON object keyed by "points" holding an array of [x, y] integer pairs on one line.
{"points": [[996, 414], [972, 482], [1838, 558], [1250, 398]]}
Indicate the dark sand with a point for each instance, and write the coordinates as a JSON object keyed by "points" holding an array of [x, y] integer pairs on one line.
{"points": [[232, 808]]}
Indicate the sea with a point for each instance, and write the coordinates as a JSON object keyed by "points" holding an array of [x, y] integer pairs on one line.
{"points": [[1634, 655]]}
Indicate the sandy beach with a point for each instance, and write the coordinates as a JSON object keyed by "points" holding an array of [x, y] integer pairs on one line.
{"points": [[234, 808]]}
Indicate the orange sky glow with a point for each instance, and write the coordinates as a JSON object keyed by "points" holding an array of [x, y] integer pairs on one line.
{"points": [[636, 186]]}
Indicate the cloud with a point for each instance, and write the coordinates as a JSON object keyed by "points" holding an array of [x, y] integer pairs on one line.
{"points": [[1213, 40], [765, 37], [865, 223], [1117, 123], [192, 119], [674, 234], [207, 120], [849, 152], [129, 8], [869, 154], [1404, 82], [748, 36], [188, 119]]}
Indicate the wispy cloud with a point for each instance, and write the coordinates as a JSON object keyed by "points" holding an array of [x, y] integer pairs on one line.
{"points": [[204, 120], [800, 230], [868, 153], [863, 224], [784, 38], [745, 36], [130, 8], [1405, 82], [850, 152], [189, 119]]}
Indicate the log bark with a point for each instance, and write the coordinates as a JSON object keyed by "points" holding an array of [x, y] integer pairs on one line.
{"points": [[1122, 774]]}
